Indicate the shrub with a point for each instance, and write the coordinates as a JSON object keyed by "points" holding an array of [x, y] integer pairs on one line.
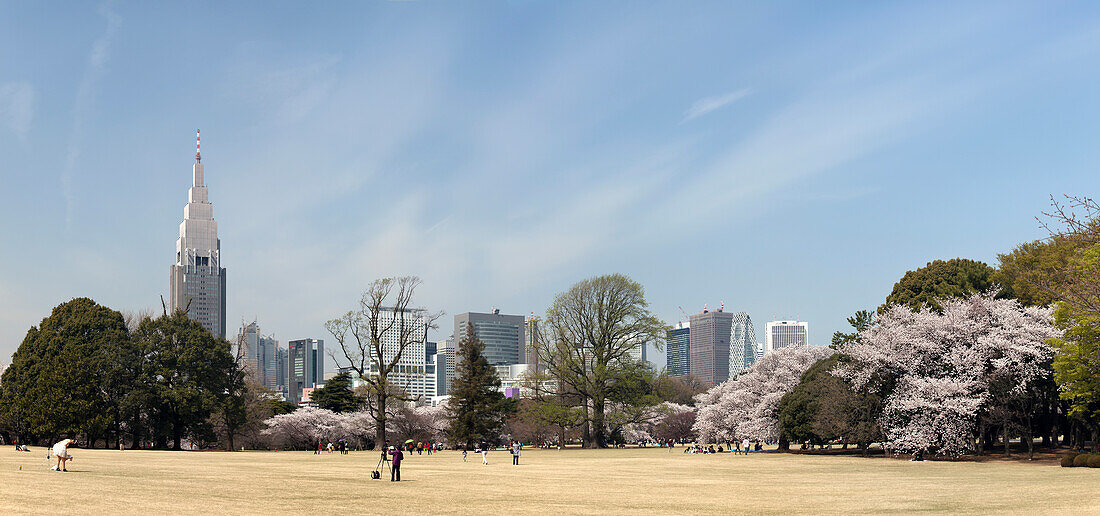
{"points": [[1094, 460], [1081, 460], [1067, 460]]}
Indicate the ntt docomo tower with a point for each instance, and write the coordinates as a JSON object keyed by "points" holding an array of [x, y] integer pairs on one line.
{"points": [[198, 278]]}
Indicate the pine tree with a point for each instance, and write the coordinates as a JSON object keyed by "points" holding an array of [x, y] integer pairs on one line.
{"points": [[478, 408]]}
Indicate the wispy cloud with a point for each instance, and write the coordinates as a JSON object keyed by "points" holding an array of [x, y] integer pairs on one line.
{"points": [[17, 107], [85, 98], [706, 105]]}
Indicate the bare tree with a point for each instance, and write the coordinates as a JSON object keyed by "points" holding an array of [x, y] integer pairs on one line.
{"points": [[374, 337]]}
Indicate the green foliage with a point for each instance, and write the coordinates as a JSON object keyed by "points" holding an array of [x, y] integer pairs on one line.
{"points": [[1033, 270], [336, 395], [862, 320], [823, 407], [590, 331], [957, 277], [1081, 460], [61, 380], [188, 370], [1077, 363], [1067, 460], [477, 407]]}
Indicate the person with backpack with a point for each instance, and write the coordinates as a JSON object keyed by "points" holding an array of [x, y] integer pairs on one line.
{"points": [[395, 464]]}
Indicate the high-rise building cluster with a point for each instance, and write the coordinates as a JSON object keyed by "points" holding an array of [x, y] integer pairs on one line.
{"points": [[713, 345], [716, 345]]}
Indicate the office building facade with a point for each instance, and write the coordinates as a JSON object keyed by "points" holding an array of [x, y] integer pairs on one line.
{"points": [[782, 334], [677, 349], [504, 336], [306, 366], [197, 282], [411, 373], [709, 343]]}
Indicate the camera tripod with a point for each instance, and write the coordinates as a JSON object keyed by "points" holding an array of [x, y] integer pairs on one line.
{"points": [[379, 468]]}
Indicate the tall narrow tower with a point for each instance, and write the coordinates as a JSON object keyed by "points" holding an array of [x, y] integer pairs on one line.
{"points": [[198, 278]]}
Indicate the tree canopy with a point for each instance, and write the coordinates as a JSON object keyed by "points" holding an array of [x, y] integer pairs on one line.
{"points": [[941, 279], [337, 395]]}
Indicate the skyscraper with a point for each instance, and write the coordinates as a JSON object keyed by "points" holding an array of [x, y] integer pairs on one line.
{"points": [[306, 367], [678, 345], [197, 278], [781, 334], [709, 343], [503, 335], [530, 338], [282, 369], [742, 344], [259, 354], [445, 366]]}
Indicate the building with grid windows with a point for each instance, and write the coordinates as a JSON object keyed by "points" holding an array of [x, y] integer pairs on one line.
{"points": [[678, 349], [781, 334], [709, 345], [743, 346], [412, 373], [306, 359], [503, 335], [197, 277], [259, 354]]}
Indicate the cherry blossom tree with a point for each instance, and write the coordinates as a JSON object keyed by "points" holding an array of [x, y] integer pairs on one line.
{"points": [[747, 406], [307, 426], [944, 374]]}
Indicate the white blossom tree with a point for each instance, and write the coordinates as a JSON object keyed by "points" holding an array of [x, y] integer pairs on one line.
{"points": [[307, 426], [747, 406], [944, 373]]}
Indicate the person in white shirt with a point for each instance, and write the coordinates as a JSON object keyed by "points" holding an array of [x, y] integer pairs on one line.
{"points": [[61, 451]]}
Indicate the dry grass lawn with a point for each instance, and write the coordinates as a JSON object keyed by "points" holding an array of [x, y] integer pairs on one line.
{"points": [[549, 483]]}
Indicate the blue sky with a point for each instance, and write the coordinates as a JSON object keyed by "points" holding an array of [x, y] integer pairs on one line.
{"points": [[787, 159]]}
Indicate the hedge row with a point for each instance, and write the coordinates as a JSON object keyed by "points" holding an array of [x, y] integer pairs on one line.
{"points": [[1080, 460]]}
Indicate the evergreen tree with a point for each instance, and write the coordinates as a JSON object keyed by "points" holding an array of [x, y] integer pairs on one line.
{"points": [[478, 409], [58, 381], [336, 395], [190, 371]]}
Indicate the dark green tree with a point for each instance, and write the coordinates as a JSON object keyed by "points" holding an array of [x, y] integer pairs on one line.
{"points": [[190, 372], [478, 409], [58, 381], [337, 395], [823, 407], [957, 277]]}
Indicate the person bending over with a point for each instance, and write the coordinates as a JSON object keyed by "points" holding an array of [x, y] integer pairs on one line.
{"points": [[61, 451]]}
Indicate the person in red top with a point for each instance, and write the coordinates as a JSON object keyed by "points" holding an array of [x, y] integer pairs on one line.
{"points": [[395, 466]]}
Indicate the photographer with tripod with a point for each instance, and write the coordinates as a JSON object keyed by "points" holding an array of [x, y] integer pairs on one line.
{"points": [[395, 466]]}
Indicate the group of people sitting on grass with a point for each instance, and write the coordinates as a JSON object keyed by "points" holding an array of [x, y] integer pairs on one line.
{"points": [[743, 447]]}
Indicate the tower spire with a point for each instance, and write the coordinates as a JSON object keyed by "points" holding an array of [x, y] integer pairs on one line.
{"points": [[198, 156]]}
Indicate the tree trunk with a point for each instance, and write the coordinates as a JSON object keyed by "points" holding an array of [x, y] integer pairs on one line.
{"points": [[1004, 436], [981, 438], [380, 418], [599, 435]]}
